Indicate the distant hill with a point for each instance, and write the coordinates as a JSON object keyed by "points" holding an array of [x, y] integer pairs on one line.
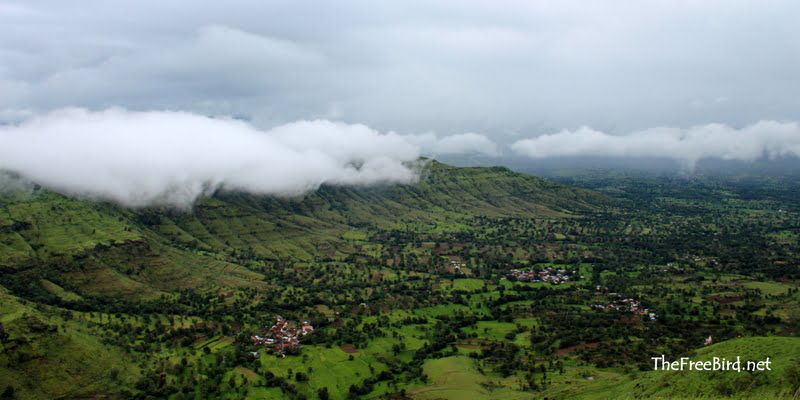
{"points": [[107, 250], [77, 254]]}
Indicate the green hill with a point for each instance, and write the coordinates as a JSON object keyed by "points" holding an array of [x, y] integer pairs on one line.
{"points": [[783, 352], [105, 250], [98, 300], [59, 253], [46, 354]]}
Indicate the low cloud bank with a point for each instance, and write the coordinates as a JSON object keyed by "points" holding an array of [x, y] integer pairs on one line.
{"points": [[764, 139], [144, 158], [172, 158]]}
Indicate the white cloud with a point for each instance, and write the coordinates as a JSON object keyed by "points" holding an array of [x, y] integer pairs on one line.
{"points": [[765, 139], [141, 158]]}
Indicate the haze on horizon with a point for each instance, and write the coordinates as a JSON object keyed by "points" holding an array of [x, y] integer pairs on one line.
{"points": [[522, 83]]}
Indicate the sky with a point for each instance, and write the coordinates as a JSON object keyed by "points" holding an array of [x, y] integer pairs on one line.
{"points": [[489, 81]]}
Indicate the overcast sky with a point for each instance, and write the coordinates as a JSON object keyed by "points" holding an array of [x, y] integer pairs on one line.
{"points": [[499, 75], [499, 68]]}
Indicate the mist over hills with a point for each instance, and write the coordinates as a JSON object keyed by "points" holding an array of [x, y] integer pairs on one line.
{"points": [[241, 202], [43, 226]]}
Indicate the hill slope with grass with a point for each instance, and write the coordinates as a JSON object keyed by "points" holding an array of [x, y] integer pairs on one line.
{"points": [[62, 258], [58, 251], [410, 289], [105, 250], [778, 383], [47, 355]]}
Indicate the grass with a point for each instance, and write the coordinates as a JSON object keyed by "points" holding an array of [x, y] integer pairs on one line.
{"points": [[771, 288], [456, 378], [60, 292], [491, 330], [444, 309], [63, 359], [782, 351], [57, 225], [331, 368]]}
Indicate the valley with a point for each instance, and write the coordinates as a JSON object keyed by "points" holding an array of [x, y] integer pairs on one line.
{"points": [[473, 283]]}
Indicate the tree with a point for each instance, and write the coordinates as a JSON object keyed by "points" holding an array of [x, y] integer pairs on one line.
{"points": [[8, 392], [323, 393]]}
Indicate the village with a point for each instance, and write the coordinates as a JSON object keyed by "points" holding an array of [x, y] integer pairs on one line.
{"points": [[627, 305], [550, 274], [283, 337], [457, 264]]}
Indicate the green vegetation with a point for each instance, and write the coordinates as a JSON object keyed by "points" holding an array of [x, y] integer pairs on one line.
{"points": [[409, 289]]}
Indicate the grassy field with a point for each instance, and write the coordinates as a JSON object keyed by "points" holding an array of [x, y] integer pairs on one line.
{"points": [[456, 378], [784, 353]]}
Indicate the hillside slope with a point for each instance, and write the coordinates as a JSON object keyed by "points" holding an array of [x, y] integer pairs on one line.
{"points": [[783, 352], [46, 355], [71, 268], [104, 250]]}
